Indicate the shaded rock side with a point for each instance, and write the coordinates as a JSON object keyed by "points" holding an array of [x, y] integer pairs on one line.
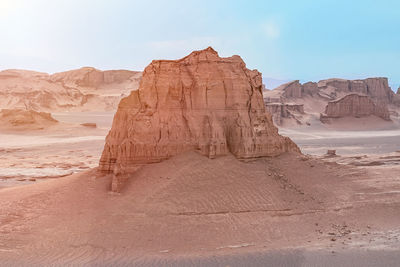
{"points": [[201, 102], [356, 106]]}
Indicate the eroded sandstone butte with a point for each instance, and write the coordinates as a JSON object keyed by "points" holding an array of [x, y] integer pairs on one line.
{"points": [[354, 105], [201, 102]]}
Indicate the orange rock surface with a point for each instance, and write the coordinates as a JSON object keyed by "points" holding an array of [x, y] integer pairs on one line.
{"points": [[201, 102]]}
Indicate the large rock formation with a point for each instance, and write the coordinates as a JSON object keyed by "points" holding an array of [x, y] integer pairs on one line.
{"points": [[85, 89], [354, 105], [201, 102]]}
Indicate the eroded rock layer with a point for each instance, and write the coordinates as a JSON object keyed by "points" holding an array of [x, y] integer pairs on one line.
{"points": [[201, 102], [356, 106]]}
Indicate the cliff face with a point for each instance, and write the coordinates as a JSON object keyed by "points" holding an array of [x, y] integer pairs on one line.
{"points": [[356, 106], [201, 102]]}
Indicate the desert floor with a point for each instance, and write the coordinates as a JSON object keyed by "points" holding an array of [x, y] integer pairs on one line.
{"points": [[293, 210]]}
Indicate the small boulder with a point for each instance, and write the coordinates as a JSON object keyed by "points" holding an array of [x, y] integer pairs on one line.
{"points": [[89, 124], [331, 152]]}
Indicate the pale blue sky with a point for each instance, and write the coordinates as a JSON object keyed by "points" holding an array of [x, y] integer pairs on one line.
{"points": [[306, 40]]}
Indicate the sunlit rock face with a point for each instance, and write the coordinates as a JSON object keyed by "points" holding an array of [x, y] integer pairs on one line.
{"points": [[201, 102], [355, 105]]}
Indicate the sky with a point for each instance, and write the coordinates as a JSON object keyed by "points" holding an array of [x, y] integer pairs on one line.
{"points": [[305, 40]]}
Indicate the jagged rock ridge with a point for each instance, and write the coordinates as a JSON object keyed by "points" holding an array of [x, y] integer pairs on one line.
{"points": [[201, 102]]}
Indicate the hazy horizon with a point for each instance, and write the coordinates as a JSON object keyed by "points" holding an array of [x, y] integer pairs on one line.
{"points": [[285, 41]]}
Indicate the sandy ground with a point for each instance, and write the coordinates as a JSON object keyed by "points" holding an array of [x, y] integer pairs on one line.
{"points": [[56, 151], [291, 210], [203, 208]]}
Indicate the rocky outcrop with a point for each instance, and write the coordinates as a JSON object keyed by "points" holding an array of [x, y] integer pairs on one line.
{"points": [[86, 89], [94, 78], [292, 89], [201, 102], [310, 88], [376, 88], [17, 118], [280, 111], [354, 105]]}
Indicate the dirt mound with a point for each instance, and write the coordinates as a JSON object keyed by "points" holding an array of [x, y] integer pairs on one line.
{"points": [[25, 119]]}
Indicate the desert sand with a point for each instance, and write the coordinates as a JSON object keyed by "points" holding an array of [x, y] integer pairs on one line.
{"points": [[196, 208]]}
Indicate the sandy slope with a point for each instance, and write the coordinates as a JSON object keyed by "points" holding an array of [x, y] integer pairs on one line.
{"points": [[190, 206]]}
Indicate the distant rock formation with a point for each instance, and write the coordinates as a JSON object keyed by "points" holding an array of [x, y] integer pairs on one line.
{"points": [[315, 98], [396, 98], [85, 89], [354, 105], [377, 88], [201, 102], [281, 111], [292, 89], [94, 78], [17, 118]]}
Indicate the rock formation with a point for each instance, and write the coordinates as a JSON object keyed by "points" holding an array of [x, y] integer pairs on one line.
{"points": [[201, 102], [292, 89], [396, 98], [377, 88], [86, 89], [281, 111], [93, 78], [17, 118], [356, 106], [315, 98]]}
